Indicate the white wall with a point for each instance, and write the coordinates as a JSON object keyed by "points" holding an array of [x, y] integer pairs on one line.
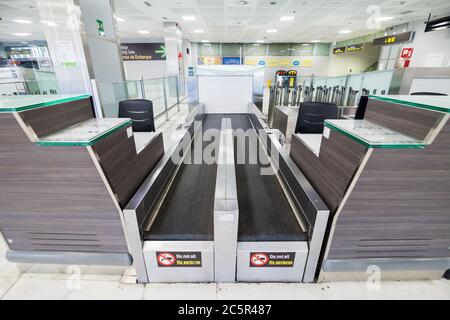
{"points": [[429, 46], [134, 70], [342, 63]]}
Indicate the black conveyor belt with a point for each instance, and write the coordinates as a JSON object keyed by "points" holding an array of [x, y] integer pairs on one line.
{"points": [[264, 211], [187, 211]]}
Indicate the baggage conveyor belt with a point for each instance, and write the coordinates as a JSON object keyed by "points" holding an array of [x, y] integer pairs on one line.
{"points": [[187, 210], [264, 210]]}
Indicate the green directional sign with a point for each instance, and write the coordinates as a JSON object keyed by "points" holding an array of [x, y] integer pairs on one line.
{"points": [[161, 51], [143, 51]]}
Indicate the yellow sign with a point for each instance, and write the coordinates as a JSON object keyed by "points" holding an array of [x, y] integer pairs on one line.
{"points": [[306, 63], [285, 62], [273, 62], [252, 61], [209, 60]]}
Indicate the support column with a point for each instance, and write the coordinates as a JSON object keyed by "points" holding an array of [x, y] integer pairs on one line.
{"points": [[173, 43], [83, 43]]}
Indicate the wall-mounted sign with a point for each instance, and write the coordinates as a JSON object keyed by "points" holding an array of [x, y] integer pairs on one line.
{"points": [[143, 51], [100, 28], [209, 60], [393, 39], [338, 50], [306, 63], [355, 47], [407, 53], [231, 60]]}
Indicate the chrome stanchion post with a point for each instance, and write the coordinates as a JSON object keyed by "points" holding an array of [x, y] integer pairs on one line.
{"points": [[165, 98]]}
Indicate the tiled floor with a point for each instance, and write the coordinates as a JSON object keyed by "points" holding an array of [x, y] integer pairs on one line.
{"points": [[62, 282], [90, 282]]}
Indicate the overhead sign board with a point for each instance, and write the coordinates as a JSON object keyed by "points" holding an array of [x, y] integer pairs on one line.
{"points": [[393, 39], [338, 50], [143, 51], [355, 47]]}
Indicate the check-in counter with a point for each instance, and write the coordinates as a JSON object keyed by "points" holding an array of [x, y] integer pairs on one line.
{"points": [[284, 119], [386, 180], [65, 177]]}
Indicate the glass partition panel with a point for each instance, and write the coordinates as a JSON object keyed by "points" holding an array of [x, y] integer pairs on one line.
{"points": [[154, 91], [171, 91], [111, 94]]}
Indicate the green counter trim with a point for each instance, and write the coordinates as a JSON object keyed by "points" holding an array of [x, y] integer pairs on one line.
{"points": [[44, 104], [83, 143], [378, 146], [411, 104]]}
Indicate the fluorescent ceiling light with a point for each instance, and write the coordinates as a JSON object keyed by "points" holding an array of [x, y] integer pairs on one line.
{"points": [[315, 41], [22, 21], [49, 23], [207, 44], [198, 31], [287, 18], [305, 44], [21, 34], [345, 31], [189, 18], [384, 18], [272, 30], [259, 41], [205, 41], [143, 32], [119, 19]]}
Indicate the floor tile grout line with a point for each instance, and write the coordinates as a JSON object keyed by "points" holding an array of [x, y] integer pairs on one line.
{"points": [[10, 287]]}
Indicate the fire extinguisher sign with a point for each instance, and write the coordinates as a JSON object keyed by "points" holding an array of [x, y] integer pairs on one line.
{"points": [[271, 259]]}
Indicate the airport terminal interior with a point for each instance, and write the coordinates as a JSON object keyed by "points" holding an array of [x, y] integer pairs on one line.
{"points": [[224, 149]]}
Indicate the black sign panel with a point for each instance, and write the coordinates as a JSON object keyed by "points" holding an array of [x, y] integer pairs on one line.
{"points": [[338, 50], [393, 39], [143, 51], [169, 259], [271, 259], [355, 47]]}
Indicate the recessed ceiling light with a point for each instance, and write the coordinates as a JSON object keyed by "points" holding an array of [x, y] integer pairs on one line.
{"points": [[383, 18], [198, 31], [119, 19], [205, 41], [315, 41], [143, 31], [260, 41], [272, 30], [49, 23], [22, 21], [345, 31], [21, 34], [189, 18], [305, 44], [287, 18]]}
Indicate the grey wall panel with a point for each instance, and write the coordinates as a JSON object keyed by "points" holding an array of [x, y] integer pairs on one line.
{"points": [[400, 205], [123, 167], [50, 196], [331, 172], [411, 121], [45, 121]]}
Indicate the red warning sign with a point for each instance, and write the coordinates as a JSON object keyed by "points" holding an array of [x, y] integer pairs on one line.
{"points": [[166, 259], [259, 259]]}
